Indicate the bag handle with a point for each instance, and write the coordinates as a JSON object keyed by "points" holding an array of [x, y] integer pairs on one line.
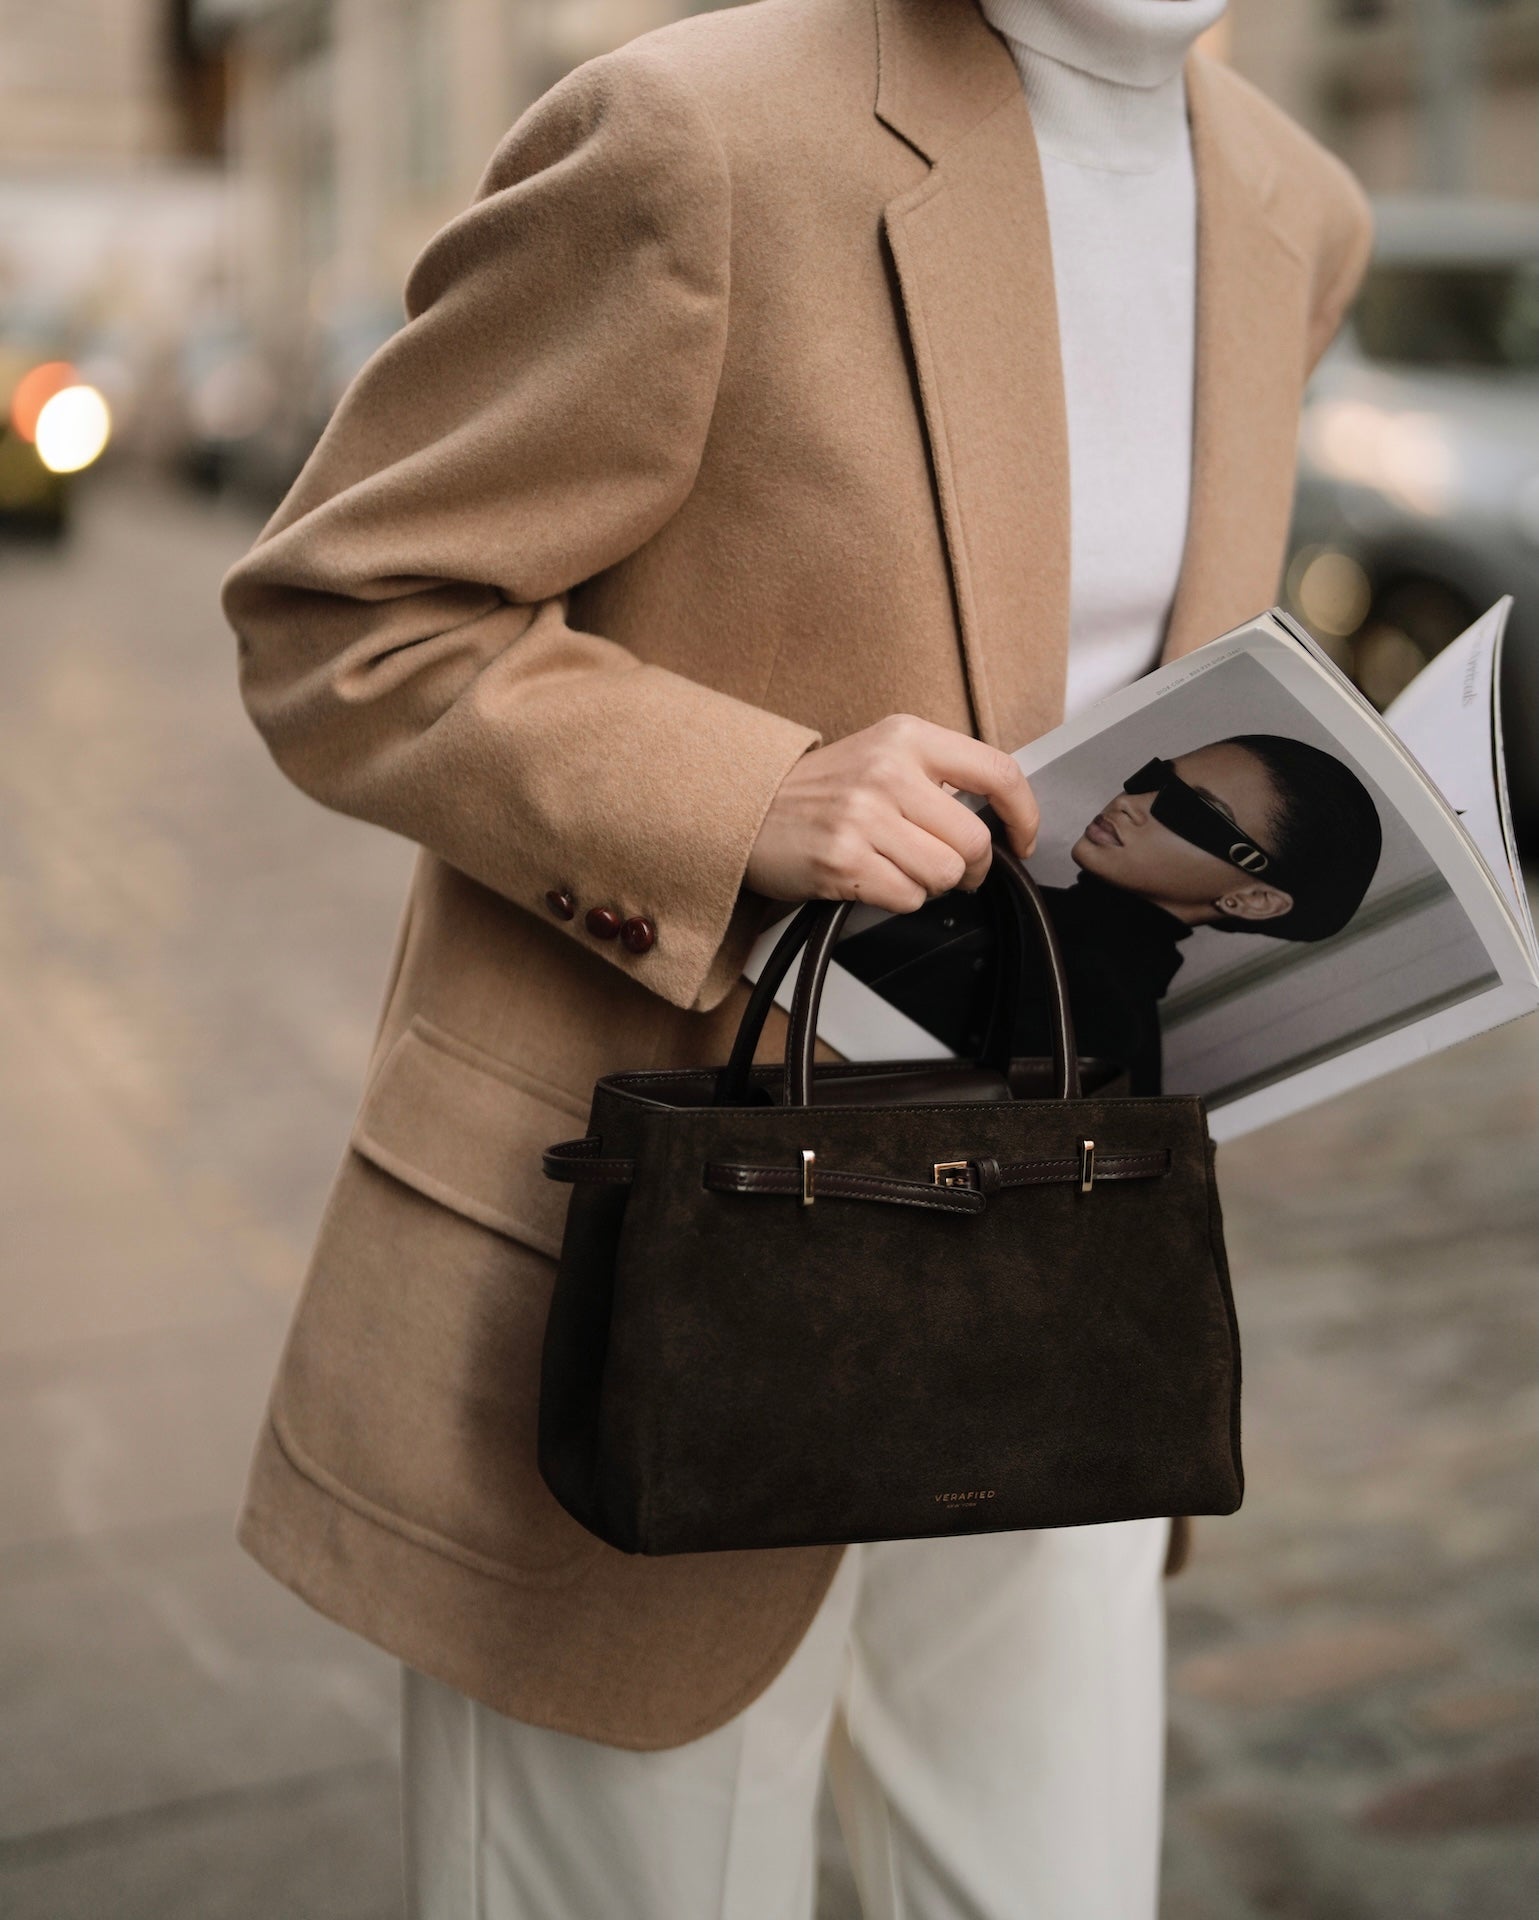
{"points": [[1012, 929], [1020, 913]]}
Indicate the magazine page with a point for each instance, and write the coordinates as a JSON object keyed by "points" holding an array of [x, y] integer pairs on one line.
{"points": [[1390, 939], [1449, 718]]}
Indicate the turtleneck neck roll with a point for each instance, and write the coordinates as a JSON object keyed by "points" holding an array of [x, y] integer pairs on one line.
{"points": [[1103, 77], [1137, 43]]}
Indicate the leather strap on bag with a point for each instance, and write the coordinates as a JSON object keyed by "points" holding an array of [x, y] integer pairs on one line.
{"points": [[578, 1163], [965, 1189]]}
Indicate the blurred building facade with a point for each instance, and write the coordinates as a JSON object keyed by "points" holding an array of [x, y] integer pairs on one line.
{"points": [[355, 128], [1415, 95], [112, 225], [73, 94]]}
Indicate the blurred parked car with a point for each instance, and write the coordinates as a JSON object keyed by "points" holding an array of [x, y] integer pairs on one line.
{"points": [[53, 424], [227, 400], [1418, 497], [248, 413]]}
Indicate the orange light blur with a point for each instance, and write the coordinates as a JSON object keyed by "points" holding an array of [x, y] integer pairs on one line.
{"points": [[33, 392]]}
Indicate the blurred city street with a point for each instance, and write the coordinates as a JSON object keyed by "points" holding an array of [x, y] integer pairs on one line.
{"points": [[191, 956]]}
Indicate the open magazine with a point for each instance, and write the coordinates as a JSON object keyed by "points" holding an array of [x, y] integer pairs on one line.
{"points": [[1372, 908]]}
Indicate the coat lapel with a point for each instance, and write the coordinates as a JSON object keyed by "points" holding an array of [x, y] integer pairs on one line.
{"points": [[974, 264], [1252, 318], [973, 257]]}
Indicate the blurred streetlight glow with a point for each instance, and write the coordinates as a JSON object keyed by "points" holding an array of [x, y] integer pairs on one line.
{"points": [[1333, 593], [1403, 455], [34, 390], [72, 429]]}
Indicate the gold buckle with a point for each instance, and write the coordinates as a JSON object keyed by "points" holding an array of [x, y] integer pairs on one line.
{"points": [[809, 1161], [1086, 1165], [952, 1173]]}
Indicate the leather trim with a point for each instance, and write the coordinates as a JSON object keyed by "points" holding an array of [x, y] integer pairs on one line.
{"points": [[833, 1185], [661, 1086], [578, 1162], [1108, 1166], [988, 1177]]}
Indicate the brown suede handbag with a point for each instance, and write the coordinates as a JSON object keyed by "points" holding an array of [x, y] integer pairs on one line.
{"points": [[839, 1303]]}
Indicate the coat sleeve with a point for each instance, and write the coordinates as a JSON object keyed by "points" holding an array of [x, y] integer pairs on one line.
{"points": [[404, 642]]}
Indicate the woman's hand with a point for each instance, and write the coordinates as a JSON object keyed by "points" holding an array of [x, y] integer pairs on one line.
{"points": [[869, 817]]}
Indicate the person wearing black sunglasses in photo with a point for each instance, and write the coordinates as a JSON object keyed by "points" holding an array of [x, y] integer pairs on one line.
{"points": [[1253, 834]]}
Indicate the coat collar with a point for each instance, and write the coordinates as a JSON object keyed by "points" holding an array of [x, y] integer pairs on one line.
{"points": [[973, 257], [940, 70]]}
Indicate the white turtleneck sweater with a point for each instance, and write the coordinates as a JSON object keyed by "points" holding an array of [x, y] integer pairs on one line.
{"points": [[1104, 83]]}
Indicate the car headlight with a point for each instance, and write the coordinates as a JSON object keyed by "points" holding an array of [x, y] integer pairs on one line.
{"points": [[73, 427], [63, 419]]}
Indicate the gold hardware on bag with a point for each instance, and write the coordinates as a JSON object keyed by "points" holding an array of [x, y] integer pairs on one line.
{"points": [[809, 1161], [952, 1173], [1086, 1165]]}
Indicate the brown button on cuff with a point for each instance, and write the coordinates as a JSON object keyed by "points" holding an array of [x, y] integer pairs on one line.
{"points": [[638, 933], [602, 922], [562, 902]]}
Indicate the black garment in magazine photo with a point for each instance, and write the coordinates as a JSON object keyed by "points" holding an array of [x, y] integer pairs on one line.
{"points": [[1256, 833], [1121, 952]]}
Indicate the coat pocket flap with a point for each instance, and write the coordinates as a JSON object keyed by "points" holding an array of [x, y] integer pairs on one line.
{"points": [[468, 1130]]}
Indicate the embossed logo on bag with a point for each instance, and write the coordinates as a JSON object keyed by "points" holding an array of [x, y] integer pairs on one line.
{"points": [[970, 1498]]}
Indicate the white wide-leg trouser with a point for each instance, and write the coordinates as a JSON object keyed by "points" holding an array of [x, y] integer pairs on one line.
{"points": [[990, 1711]]}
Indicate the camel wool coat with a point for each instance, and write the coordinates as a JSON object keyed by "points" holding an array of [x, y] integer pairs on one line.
{"points": [[727, 420]]}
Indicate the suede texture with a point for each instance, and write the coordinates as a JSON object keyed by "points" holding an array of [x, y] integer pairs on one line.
{"points": [[739, 1370], [728, 418]]}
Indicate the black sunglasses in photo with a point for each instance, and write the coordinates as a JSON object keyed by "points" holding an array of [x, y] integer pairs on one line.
{"points": [[1196, 819]]}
